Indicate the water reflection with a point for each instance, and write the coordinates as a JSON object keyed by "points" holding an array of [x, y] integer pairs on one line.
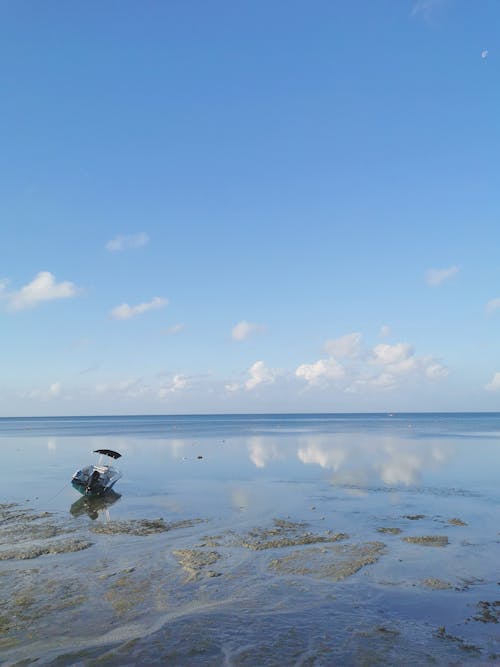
{"points": [[261, 451], [392, 461], [93, 505], [324, 454], [350, 459]]}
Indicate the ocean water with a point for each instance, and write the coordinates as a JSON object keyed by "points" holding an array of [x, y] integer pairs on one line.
{"points": [[253, 540]]}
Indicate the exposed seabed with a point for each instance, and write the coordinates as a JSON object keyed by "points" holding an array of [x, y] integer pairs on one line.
{"points": [[326, 585]]}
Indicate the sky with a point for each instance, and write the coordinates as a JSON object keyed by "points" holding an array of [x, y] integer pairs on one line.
{"points": [[227, 207]]}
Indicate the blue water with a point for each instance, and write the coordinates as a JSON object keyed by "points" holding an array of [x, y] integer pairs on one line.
{"points": [[425, 424], [402, 450], [351, 473]]}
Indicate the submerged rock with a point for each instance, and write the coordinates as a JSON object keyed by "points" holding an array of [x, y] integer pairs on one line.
{"points": [[334, 563], [35, 550], [141, 527], [12, 512], [428, 540], [456, 522], [489, 612], [35, 531], [24, 525], [436, 584], [128, 592], [461, 643], [390, 531], [194, 560], [286, 534], [32, 534]]}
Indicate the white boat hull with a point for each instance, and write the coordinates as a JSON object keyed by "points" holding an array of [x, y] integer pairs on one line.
{"points": [[95, 480]]}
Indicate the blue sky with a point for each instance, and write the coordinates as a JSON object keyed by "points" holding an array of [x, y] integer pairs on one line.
{"points": [[249, 206]]}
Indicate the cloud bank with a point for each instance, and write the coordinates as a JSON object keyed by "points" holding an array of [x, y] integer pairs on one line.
{"points": [[320, 372], [352, 368]]}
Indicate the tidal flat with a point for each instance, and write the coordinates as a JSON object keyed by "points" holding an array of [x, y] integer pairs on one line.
{"points": [[289, 542]]}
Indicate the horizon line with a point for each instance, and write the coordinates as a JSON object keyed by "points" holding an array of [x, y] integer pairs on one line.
{"points": [[387, 413]]}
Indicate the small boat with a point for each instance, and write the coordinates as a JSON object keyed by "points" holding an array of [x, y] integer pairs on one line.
{"points": [[97, 480]]}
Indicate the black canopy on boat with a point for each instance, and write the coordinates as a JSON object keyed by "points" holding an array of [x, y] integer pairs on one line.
{"points": [[107, 452]]}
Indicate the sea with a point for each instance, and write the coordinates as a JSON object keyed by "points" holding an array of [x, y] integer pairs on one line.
{"points": [[252, 540]]}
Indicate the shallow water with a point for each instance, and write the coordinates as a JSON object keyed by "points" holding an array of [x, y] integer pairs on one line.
{"points": [[268, 539]]}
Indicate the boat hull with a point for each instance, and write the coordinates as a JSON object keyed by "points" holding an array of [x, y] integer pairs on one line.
{"points": [[95, 480], [82, 488]]}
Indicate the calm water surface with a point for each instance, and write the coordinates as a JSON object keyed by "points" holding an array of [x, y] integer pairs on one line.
{"points": [[419, 475]]}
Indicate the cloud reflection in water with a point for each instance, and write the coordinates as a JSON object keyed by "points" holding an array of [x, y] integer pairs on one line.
{"points": [[261, 451], [392, 461]]}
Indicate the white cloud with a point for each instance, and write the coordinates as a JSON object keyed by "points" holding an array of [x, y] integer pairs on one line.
{"points": [[320, 371], [400, 360], [348, 346], [435, 277], [383, 367], [436, 371], [259, 374], [55, 389], [244, 330], [492, 305], [43, 287], [129, 241], [385, 354], [494, 384], [125, 312], [177, 383], [484, 54], [398, 363]]}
